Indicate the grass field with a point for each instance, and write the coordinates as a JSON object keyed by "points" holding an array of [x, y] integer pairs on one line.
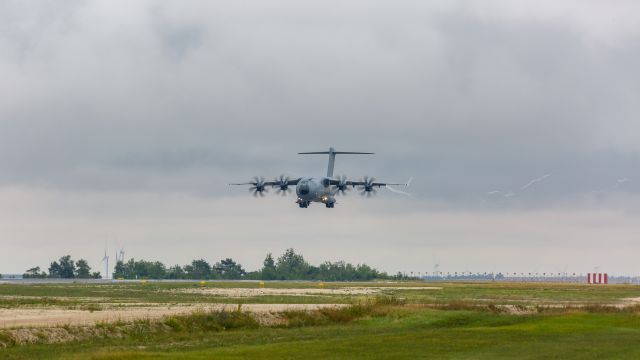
{"points": [[163, 292], [400, 320]]}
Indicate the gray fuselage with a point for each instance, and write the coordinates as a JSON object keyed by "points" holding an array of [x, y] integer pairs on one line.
{"points": [[311, 189]]}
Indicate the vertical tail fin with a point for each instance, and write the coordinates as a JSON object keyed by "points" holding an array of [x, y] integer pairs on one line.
{"points": [[332, 157], [332, 161]]}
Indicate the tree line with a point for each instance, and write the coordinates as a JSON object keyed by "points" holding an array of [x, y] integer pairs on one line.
{"points": [[64, 268], [198, 269], [288, 266], [292, 266]]}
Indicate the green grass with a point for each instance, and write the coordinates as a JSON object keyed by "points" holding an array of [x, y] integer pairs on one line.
{"points": [[402, 323], [503, 293], [521, 293], [394, 332], [73, 295]]}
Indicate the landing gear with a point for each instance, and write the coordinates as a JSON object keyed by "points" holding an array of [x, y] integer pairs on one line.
{"points": [[303, 203], [329, 201]]}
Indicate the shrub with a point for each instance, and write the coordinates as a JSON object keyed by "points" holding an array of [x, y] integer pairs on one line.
{"points": [[173, 323], [388, 300], [329, 315], [213, 321], [6, 340]]}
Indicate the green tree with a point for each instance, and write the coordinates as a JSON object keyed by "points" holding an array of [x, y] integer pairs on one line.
{"points": [[149, 270], [176, 272], [229, 269], [63, 268], [199, 269], [54, 270], [365, 272], [292, 266], [34, 273], [268, 271], [140, 269], [67, 267], [119, 271], [83, 270]]}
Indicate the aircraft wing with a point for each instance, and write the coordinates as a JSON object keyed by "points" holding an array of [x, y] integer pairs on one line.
{"points": [[290, 182], [259, 185], [266, 183], [362, 183], [374, 184]]}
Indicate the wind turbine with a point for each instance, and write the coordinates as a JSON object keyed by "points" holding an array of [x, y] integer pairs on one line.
{"points": [[105, 259], [120, 254]]}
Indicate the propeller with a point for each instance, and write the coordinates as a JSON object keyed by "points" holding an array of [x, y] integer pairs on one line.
{"points": [[341, 187], [282, 183], [367, 189], [257, 186]]}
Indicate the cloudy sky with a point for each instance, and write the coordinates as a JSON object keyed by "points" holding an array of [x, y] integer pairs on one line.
{"points": [[122, 122]]}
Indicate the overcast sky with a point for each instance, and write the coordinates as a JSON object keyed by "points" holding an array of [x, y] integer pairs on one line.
{"points": [[122, 122]]}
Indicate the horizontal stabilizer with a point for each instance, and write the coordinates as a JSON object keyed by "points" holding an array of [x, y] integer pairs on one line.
{"points": [[335, 152], [332, 157]]}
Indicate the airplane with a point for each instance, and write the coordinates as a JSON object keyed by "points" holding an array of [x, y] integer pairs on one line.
{"points": [[319, 189]]}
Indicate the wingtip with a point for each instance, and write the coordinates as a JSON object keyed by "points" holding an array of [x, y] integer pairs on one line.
{"points": [[408, 182]]}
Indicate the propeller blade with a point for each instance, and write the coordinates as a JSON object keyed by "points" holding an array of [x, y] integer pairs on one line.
{"points": [[341, 187]]}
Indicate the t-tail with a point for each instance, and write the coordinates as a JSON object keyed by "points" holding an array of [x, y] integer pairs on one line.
{"points": [[332, 157]]}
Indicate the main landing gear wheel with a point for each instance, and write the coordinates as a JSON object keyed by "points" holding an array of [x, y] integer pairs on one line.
{"points": [[303, 204]]}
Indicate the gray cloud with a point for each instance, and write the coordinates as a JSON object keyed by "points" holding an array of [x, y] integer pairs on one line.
{"points": [[180, 98]]}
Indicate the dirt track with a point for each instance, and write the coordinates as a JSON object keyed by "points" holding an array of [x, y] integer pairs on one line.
{"points": [[111, 312], [36, 317], [248, 292]]}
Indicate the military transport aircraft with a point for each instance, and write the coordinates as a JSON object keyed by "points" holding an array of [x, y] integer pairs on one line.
{"points": [[319, 189]]}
